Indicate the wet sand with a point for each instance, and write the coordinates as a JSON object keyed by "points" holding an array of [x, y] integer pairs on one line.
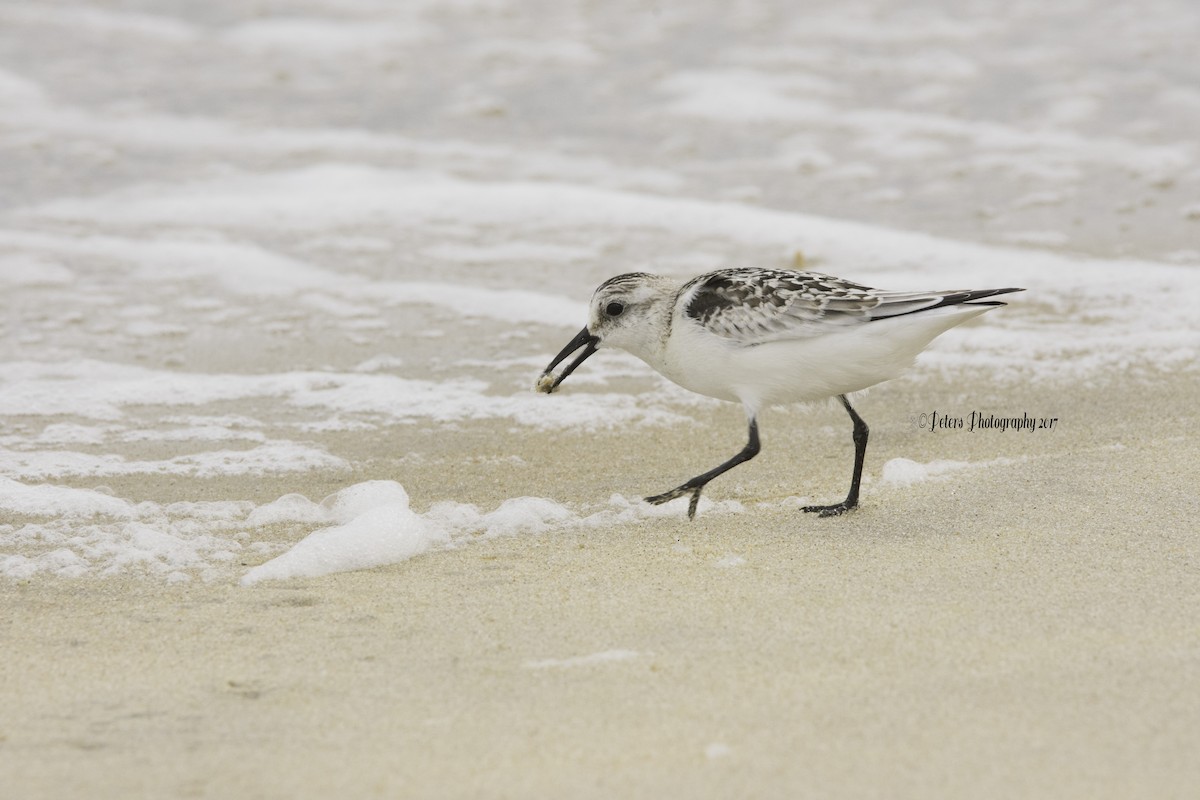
{"points": [[1026, 628]]}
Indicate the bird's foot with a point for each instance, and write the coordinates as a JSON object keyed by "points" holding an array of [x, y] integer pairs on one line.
{"points": [[830, 511], [679, 491]]}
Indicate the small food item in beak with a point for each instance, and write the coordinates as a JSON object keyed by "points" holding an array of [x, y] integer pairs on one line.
{"points": [[547, 382]]}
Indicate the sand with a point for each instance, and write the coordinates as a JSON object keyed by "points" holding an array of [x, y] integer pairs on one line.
{"points": [[1024, 629]]}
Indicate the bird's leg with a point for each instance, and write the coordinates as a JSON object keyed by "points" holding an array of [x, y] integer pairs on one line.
{"points": [[860, 453], [696, 484]]}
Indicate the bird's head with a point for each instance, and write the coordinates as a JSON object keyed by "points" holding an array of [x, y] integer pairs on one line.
{"points": [[623, 313]]}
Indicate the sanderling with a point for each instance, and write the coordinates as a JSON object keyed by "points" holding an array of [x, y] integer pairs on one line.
{"points": [[765, 337]]}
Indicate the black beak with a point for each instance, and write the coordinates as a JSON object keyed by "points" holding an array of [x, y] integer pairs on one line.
{"points": [[584, 337]]}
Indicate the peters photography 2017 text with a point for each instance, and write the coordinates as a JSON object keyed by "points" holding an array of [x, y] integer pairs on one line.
{"points": [[980, 421]]}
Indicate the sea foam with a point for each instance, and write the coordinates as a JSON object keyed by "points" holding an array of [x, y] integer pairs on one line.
{"points": [[373, 525], [75, 532]]}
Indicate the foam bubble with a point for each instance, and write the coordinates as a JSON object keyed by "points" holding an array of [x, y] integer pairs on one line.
{"points": [[377, 528], [44, 500], [289, 508], [905, 472], [592, 659]]}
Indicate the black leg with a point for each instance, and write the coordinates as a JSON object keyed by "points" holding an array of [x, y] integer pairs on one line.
{"points": [[860, 453], [697, 483]]}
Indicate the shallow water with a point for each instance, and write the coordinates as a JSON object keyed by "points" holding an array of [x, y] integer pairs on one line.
{"points": [[244, 256]]}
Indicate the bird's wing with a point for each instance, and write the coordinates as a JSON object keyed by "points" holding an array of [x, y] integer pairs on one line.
{"points": [[754, 306]]}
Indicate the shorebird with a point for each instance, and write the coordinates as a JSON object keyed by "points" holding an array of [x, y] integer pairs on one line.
{"points": [[764, 337]]}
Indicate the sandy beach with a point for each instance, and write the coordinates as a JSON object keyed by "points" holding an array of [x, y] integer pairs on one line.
{"points": [[281, 515], [1029, 629]]}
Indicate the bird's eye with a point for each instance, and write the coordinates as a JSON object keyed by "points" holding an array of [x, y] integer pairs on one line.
{"points": [[614, 309]]}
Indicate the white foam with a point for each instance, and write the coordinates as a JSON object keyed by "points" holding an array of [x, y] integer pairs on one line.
{"points": [[859, 26], [102, 23], [25, 270], [509, 251], [251, 271], [192, 433], [30, 110], [739, 95], [324, 36], [717, 750], [47, 500], [1141, 315], [271, 457], [905, 472], [289, 508], [16, 90], [1045, 239], [376, 527], [105, 391], [536, 50], [72, 533], [63, 433], [592, 659]]}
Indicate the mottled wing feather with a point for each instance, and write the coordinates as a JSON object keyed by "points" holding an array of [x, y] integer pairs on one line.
{"points": [[753, 306]]}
